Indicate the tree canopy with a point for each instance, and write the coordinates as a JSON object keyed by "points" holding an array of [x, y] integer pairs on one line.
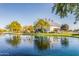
{"points": [[42, 24], [64, 9], [65, 27], [29, 29], [14, 26]]}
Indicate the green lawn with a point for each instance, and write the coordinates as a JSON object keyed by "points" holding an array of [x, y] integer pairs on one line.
{"points": [[54, 34], [65, 34], [48, 34]]}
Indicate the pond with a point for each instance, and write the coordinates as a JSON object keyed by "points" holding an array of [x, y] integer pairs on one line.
{"points": [[26, 45]]}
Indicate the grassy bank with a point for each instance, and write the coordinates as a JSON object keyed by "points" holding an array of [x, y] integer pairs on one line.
{"points": [[66, 34], [49, 34], [54, 34]]}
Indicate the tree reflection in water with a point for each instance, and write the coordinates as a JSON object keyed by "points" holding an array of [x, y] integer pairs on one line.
{"points": [[64, 42], [41, 42], [14, 40]]}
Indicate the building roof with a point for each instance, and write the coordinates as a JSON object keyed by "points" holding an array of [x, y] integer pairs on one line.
{"points": [[54, 24]]}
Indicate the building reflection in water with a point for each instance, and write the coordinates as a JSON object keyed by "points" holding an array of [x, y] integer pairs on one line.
{"points": [[57, 40], [14, 40], [28, 40], [53, 41]]}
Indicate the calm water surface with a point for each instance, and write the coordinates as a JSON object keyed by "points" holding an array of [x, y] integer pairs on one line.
{"points": [[25, 45]]}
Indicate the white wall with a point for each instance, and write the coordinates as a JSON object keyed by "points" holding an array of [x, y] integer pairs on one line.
{"points": [[52, 28]]}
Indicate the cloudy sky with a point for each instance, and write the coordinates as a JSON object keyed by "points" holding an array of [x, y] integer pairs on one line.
{"points": [[27, 14]]}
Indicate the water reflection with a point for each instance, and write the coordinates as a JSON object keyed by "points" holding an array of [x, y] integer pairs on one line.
{"points": [[64, 42], [15, 40], [1, 34], [41, 42]]}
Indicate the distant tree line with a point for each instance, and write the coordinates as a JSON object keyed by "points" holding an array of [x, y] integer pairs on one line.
{"points": [[40, 26]]}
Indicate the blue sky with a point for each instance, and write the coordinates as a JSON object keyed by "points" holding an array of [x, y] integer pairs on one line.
{"points": [[27, 14]]}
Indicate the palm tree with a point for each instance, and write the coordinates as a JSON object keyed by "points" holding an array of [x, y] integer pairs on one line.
{"points": [[64, 9]]}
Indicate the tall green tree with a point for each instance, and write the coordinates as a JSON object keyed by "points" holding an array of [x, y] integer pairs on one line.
{"points": [[64, 9], [42, 24], [14, 26], [65, 27]]}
